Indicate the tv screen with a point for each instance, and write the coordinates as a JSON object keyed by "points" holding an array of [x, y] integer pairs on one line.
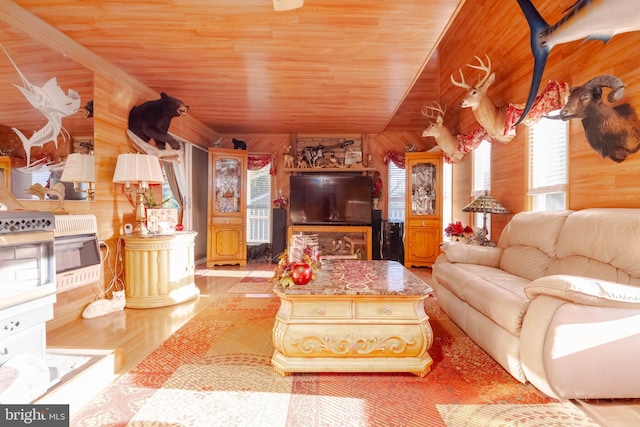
{"points": [[323, 199]]}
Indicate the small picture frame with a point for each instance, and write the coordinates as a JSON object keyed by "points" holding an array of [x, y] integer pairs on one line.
{"points": [[162, 220], [352, 157]]}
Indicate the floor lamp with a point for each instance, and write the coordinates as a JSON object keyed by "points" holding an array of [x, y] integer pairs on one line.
{"points": [[485, 204]]}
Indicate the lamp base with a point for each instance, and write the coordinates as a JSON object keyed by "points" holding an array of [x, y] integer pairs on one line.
{"points": [[141, 215], [485, 230]]}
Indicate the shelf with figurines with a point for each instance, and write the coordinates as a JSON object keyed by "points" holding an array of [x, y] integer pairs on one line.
{"points": [[326, 154]]}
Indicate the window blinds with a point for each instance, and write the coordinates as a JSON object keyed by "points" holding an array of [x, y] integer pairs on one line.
{"points": [[548, 157]]}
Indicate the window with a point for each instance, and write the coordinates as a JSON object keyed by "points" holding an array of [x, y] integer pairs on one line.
{"points": [[447, 196], [547, 165], [395, 194], [481, 179], [259, 206]]}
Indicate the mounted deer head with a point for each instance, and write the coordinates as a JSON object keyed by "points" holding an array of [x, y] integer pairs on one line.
{"points": [[484, 110], [444, 138]]}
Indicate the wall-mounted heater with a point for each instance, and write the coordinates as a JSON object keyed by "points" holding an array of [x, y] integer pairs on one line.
{"points": [[77, 251]]}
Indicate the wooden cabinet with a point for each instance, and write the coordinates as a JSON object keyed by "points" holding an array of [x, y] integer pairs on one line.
{"points": [[159, 269], [423, 221], [227, 206]]}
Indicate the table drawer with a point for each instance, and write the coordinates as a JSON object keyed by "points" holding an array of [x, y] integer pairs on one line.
{"points": [[321, 309], [386, 310]]}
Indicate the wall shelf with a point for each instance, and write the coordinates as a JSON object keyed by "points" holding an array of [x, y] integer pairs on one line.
{"points": [[332, 170]]}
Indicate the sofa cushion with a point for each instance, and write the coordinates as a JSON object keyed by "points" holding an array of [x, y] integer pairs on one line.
{"points": [[586, 291], [525, 261], [472, 254], [607, 239], [537, 229], [495, 293]]}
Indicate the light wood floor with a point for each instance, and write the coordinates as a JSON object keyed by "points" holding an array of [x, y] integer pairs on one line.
{"points": [[138, 332]]}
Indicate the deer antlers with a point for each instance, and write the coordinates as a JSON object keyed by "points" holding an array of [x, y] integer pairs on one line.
{"points": [[430, 110], [482, 67]]}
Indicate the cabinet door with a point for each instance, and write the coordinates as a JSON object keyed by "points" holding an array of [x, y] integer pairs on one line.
{"points": [[424, 246], [228, 182], [424, 183], [227, 242]]}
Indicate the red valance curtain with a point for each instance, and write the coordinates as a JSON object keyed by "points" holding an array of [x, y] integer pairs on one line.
{"points": [[258, 161], [396, 157]]}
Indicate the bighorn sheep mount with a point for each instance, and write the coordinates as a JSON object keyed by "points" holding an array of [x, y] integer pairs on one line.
{"points": [[611, 132], [447, 142], [489, 116]]}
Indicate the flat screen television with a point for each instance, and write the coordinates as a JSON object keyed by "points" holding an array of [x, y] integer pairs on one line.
{"points": [[330, 199]]}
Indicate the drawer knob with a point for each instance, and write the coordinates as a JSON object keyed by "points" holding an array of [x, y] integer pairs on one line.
{"points": [[321, 311], [387, 310], [4, 351]]}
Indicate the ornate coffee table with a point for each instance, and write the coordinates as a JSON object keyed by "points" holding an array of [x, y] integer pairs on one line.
{"points": [[357, 316]]}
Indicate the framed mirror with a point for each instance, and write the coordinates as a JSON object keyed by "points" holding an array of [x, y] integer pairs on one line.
{"points": [[38, 64]]}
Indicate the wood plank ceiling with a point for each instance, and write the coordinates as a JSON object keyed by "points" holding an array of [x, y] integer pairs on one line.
{"points": [[327, 67]]}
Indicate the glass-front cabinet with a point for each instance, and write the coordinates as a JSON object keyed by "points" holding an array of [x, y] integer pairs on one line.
{"points": [[423, 221], [226, 241]]}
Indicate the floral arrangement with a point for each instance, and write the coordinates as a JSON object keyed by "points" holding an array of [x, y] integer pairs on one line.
{"points": [[457, 229], [280, 202], [376, 186], [284, 272]]}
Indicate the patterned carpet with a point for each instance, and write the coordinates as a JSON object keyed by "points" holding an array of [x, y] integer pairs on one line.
{"points": [[215, 371], [251, 285]]}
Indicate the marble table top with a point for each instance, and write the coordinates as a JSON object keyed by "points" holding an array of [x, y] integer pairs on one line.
{"points": [[358, 277]]}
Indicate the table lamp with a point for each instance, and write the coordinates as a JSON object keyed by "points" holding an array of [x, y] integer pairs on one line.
{"points": [[485, 204], [140, 169], [80, 168]]}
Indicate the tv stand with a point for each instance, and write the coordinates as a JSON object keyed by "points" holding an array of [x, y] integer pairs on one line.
{"points": [[338, 241]]}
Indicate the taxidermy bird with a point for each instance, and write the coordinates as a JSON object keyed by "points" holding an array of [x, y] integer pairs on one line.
{"points": [[52, 102]]}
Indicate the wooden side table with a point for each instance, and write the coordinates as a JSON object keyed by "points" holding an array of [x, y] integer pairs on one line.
{"points": [[159, 269]]}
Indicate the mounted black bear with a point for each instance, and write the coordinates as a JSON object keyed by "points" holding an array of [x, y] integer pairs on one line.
{"points": [[151, 120]]}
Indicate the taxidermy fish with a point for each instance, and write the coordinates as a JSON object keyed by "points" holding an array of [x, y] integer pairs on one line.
{"points": [[52, 102], [586, 19]]}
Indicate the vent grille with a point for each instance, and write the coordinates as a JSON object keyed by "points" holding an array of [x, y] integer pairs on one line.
{"points": [[20, 221], [71, 225]]}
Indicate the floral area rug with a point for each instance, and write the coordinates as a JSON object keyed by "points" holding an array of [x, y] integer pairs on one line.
{"points": [[251, 285], [216, 371]]}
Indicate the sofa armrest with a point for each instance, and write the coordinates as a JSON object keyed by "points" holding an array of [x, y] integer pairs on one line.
{"points": [[472, 254], [586, 291]]}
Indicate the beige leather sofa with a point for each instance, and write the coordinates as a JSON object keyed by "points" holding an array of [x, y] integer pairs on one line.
{"points": [[557, 303]]}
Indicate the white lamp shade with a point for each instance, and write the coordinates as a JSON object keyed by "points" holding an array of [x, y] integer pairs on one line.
{"points": [[79, 168], [138, 168]]}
